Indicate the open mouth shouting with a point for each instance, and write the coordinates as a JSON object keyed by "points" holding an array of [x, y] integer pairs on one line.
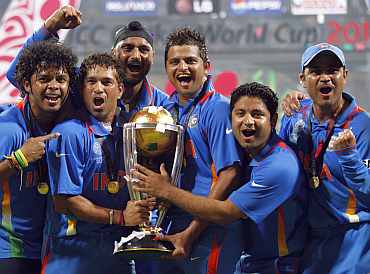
{"points": [[184, 80], [326, 90], [98, 103], [248, 133], [135, 66]]}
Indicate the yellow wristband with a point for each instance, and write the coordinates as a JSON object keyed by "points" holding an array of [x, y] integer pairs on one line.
{"points": [[22, 160]]}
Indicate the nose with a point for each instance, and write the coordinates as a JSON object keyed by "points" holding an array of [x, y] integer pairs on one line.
{"points": [[135, 54], [248, 121], [325, 77], [99, 87], [182, 65], [53, 84]]}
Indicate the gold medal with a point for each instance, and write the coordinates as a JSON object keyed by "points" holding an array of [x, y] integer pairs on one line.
{"points": [[43, 188], [113, 187], [315, 182]]}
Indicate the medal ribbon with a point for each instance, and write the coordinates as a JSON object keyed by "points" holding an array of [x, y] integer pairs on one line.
{"points": [[317, 157]]}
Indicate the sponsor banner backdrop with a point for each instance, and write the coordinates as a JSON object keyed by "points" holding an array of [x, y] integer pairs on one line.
{"points": [[131, 7], [187, 7], [241, 7], [312, 7]]}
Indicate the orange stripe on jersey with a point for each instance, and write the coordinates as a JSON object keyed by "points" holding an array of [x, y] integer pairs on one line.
{"points": [[44, 263], [351, 204], [104, 181], [205, 97], [326, 172], [214, 257], [96, 182], [283, 247], [189, 149], [5, 205], [214, 175], [71, 229], [29, 179]]}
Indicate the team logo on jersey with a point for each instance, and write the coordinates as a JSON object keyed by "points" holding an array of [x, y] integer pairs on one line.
{"points": [[193, 121], [366, 163], [98, 154]]}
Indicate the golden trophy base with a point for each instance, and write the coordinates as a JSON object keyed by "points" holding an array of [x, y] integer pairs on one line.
{"points": [[143, 245]]}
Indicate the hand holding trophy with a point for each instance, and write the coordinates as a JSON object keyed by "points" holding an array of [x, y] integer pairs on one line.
{"points": [[150, 139]]}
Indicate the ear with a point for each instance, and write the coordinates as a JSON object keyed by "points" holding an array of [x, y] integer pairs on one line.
{"points": [[274, 119], [114, 52], [153, 57], [345, 73], [27, 86], [302, 79], [121, 88], [207, 67]]}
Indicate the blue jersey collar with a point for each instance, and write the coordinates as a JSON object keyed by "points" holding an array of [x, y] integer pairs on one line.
{"points": [[208, 85], [96, 127], [266, 150], [341, 119]]}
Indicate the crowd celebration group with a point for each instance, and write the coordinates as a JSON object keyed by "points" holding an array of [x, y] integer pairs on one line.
{"points": [[249, 199]]}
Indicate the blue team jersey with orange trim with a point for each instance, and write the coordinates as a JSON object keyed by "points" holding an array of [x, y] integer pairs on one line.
{"points": [[343, 194], [210, 145], [149, 95], [22, 209], [274, 200], [77, 166]]}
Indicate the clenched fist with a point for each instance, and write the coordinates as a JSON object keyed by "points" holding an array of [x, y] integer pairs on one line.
{"points": [[345, 139], [67, 17]]}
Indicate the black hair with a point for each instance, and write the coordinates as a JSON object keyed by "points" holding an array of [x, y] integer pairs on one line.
{"points": [[187, 36], [254, 89], [104, 59], [42, 55]]}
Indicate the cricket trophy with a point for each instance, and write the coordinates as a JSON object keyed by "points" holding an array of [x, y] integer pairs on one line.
{"points": [[150, 138]]}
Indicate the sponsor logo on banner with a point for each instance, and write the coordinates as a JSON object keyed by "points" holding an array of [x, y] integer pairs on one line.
{"points": [[310, 7], [240, 7], [132, 7], [185, 7], [20, 19]]}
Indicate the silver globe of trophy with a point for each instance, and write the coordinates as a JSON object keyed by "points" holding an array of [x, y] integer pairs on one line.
{"points": [[151, 138]]}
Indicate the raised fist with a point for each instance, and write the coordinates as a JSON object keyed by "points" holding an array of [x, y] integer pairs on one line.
{"points": [[66, 17]]}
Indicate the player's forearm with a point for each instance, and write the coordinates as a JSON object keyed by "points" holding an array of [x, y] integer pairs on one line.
{"points": [[85, 210], [6, 169], [228, 181], [355, 171], [202, 207]]}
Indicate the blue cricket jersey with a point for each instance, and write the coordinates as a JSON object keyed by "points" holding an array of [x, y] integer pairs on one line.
{"points": [[343, 194], [23, 208], [338, 210], [273, 198], [77, 166], [210, 145]]}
